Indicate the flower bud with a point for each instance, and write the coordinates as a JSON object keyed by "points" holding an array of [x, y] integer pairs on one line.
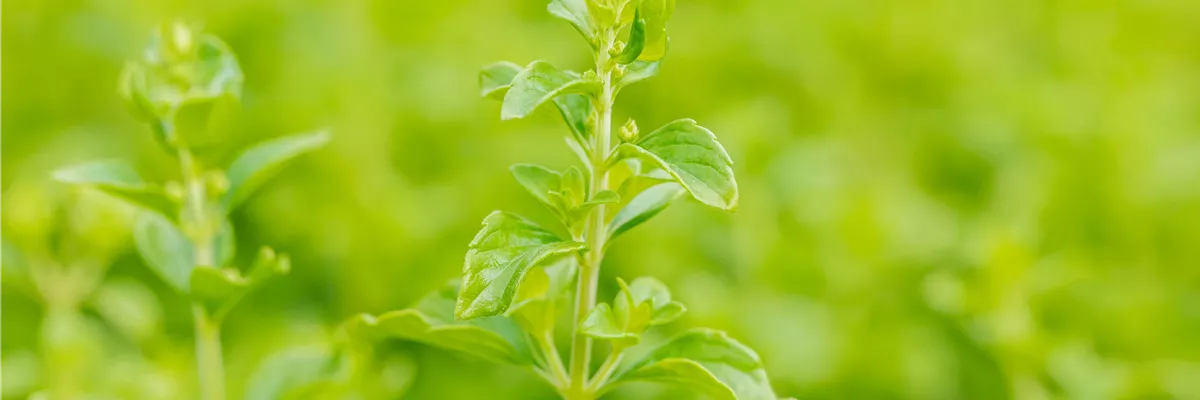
{"points": [[629, 131]]}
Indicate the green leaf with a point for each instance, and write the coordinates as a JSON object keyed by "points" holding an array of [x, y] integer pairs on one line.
{"points": [[121, 180], [691, 154], [644, 206], [498, 259], [638, 71], [636, 42], [432, 322], [256, 165], [656, 13], [496, 78], [539, 83], [575, 109], [286, 374], [538, 181], [165, 249], [707, 361], [203, 122], [580, 212], [576, 13], [602, 324]]}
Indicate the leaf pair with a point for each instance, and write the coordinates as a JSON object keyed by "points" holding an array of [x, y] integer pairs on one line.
{"points": [[565, 194], [691, 154], [704, 360], [643, 304], [219, 289]]}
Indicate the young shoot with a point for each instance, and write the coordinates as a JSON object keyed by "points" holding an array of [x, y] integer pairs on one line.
{"points": [[517, 274]]}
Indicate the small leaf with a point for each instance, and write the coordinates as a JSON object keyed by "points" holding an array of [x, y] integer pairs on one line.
{"points": [[644, 206], [638, 71], [576, 13], [692, 155], [656, 13], [497, 260], [602, 324], [707, 361], [644, 303], [535, 306], [575, 109], [121, 180], [580, 212], [203, 122], [636, 42], [432, 322], [539, 83], [538, 181], [220, 289], [496, 78], [165, 249], [257, 164]]}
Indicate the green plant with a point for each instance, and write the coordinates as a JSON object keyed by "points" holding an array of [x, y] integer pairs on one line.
{"points": [[517, 274], [185, 86]]}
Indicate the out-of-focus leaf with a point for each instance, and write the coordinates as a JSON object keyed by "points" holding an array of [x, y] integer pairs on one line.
{"points": [[496, 78], [220, 289], [645, 302], [257, 164], [204, 122], [121, 180], [497, 260], [656, 13], [129, 306], [294, 372], [165, 249], [576, 13], [707, 361], [644, 206], [692, 155], [539, 83], [432, 322], [636, 42]]}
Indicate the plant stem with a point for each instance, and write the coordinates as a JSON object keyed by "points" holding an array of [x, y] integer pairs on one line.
{"points": [[606, 370], [208, 355], [589, 271], [210, 368], [556, 364]]}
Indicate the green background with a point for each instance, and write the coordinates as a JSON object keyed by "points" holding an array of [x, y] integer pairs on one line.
{"points": [[939, 199]]}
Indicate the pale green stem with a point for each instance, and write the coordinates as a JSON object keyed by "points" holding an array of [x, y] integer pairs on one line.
{"points": [[555, 361], [209, 365], [208, 355], [606, 370], [589, 271]]}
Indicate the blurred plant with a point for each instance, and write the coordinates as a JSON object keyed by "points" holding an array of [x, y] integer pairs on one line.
{"points": [[516, 272], [58, 247], [183, 86]]}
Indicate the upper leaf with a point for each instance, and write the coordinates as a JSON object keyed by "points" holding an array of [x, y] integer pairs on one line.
{"points": [[656, 13], [121, 180], [704, 360], [257, 164], [538, 181], [636, 42], [575, 12], [692, 155], [432, 322], [539, 83], [496, 78], [497, 260]]}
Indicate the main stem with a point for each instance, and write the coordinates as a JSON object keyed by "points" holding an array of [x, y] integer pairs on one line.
{"points": [[589, 272], [209, 366]]}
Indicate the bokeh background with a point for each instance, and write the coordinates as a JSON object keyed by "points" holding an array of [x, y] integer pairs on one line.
{"points": [[940, 199]]}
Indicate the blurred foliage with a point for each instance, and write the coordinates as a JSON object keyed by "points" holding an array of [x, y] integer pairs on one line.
{"points": [[940, 199]]}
